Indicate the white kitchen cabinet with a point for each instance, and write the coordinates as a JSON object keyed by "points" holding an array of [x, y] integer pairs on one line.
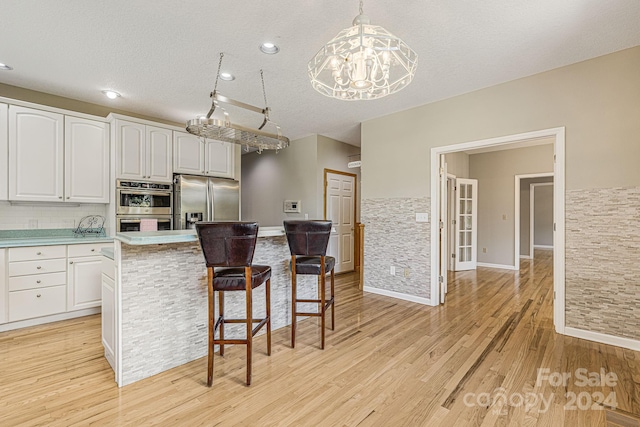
{"points": [[86, 146], [4, 294], [188, 154], [194, 156], [4, 153], [143, 152], [108, 311], [84, 276], [36, 287], [55, 158], [36, 155], [219, 159]]}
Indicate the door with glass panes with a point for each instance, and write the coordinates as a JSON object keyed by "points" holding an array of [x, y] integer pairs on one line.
{"points": [[466, 224]]}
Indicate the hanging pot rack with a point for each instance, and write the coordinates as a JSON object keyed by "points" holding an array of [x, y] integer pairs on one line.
{"points": [[223, 130]]}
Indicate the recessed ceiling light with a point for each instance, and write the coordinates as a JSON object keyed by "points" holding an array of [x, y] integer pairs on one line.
{"points": [[5, 67], [269, 48], [227, 76], [111, 94]]}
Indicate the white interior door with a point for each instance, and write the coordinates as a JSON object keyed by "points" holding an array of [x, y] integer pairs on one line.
{"points": [[340, 209], [442, 277], [466, 224]]}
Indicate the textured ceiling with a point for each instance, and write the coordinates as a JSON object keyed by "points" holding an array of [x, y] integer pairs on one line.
{"points": [[162, 55]]}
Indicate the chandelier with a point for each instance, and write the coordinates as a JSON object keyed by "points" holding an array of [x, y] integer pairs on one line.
{"points": [[362, 62], [223, 130]]}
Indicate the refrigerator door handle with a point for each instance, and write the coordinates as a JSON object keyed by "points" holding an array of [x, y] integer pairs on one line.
{"points": [[210, 211]]}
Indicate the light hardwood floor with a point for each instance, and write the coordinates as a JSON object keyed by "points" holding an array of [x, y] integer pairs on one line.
{"points": [[388, 363]]}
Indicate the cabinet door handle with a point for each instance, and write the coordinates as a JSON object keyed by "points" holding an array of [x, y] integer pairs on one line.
{"points": [[38, 295], [68, 197], [39, 253], [93, 250], [70, 262], [38, 281], [38, 267], [59, 197]]}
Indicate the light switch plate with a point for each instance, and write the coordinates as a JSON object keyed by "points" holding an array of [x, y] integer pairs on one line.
{"points": [[422, 217]]}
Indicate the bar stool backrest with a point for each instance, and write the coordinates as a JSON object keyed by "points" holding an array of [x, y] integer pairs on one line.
{"points": [[308, 238], [227, 244]]}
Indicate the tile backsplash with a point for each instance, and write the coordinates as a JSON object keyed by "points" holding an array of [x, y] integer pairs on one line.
{"points": [[45, 216]]}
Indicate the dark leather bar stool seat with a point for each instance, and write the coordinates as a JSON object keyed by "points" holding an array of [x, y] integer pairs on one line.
{"points": [[228, 249], [308, 241]]}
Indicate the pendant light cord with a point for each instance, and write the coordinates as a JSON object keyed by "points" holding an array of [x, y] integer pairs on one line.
{"points": [[215, 87], [264, 92], [361, 11]]}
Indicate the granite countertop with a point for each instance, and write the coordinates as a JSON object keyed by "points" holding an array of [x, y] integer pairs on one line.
{"points": [[42, 237], [179, 236]]}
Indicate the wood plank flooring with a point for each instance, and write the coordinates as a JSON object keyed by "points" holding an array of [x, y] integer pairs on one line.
{"points": [[473, 361]]}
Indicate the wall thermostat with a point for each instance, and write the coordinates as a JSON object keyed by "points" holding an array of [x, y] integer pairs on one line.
{"points": [[292, 206]]}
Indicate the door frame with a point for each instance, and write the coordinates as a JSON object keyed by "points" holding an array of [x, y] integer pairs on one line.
{"points": [[558, 209], [355, 203], [516, 219]]}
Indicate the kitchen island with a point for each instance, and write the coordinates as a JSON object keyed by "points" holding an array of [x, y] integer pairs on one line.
{"points": [[160, 305]]}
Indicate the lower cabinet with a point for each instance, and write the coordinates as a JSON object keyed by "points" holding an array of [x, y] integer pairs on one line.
{"points": [[109, 319], [83, 284], [40, 281]]}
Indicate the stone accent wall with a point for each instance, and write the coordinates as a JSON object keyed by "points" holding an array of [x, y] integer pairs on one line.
{"points": [[602, 267], [393, 237], [164, 303]]}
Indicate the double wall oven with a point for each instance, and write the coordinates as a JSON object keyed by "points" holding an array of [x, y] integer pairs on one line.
{"points": [[139, 201]]}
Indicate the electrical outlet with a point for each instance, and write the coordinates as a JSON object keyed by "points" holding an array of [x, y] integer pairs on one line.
{"points": [[392, 270], [407, 272], [484, 250], [306, 216], [422, 217]]}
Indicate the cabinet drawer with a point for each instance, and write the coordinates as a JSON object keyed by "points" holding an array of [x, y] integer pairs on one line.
{"points": [[87, 249], [37, 267], [108, 268], [31, 253], [21, 283], [37, 302]]}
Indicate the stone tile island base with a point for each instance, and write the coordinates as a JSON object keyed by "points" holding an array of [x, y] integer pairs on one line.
{"points": [[161, 300]]}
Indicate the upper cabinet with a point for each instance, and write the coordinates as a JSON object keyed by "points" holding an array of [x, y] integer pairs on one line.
{"points": [[143, 152], [54, 158], [4, 152], [86, 147], [194, 156], [36, 155]]}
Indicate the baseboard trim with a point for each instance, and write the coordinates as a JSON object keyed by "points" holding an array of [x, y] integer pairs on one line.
{"points": [[398, 295], [603, 338], [542, 247], [500, 266], [48, 319]]}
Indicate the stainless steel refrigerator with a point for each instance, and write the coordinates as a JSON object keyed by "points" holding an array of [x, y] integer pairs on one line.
{"points": [[200, 198]]}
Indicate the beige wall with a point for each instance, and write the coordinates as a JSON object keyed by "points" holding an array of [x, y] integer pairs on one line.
{"points": [[458, 164], [28, 95], [296, 173], [543, 215], [525, 212], [596, 100], [333, 154], [270, 178], [495, 172], [598, 103]]}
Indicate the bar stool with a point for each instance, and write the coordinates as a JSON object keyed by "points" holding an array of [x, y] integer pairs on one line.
{"points": [[230, 246], [308, 241]]}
